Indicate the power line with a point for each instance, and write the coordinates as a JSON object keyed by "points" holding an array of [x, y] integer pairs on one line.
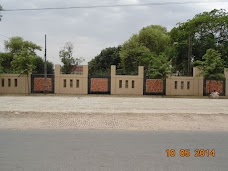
{"points": [[112, 6], [4, 36]]}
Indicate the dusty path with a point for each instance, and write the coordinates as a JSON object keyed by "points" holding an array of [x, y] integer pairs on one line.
{"points": [[117, 113], [123, 121]]}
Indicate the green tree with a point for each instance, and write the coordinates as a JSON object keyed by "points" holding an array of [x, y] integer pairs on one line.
{"points": [[50, 67], [134, 54], [39, 63], [180, 48], [66, 56], [194, 37], [6, 59], [23, 63], [1, 68], [14, 46], [160, 67], [102, 62], [20, 56], [212, 66], [155, 38], [142, 48]]}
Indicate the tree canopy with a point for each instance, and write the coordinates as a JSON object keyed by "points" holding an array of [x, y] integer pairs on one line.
{"points": [[17, 44], [162, 52], [23, 62], [159, 67], [66, 56], [101, 63], [203, 38], [155, 38], [6, 59], [16, 47], [147, 48], [212, 66], [39, 63], [193, 38], [19, 55], [1, 68]]}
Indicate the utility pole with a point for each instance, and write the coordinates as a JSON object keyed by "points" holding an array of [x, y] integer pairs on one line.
{"points": [[45, 66]]}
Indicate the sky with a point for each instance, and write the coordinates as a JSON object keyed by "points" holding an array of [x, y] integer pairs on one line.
{"points": [[91, 30]]}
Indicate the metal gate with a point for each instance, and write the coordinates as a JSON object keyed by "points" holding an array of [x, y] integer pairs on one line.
{"points": [[99, 84], [154, 87], [217, 85], [37, 83]]}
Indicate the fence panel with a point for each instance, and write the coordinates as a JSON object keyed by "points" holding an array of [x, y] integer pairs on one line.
{"points": [[37, 83], [99, 84], [211, 85], [154, 87]]}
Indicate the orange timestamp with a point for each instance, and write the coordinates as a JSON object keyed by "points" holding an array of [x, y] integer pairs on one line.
{"points": [[187, 153]]}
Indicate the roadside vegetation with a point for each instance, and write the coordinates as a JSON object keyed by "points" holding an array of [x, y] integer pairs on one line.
{"points": [[201, 41], [191, 43]]}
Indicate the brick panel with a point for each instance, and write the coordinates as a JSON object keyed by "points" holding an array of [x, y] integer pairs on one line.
{"points": [[154, 86], [212, 85], [39, 84], [99, 85]]}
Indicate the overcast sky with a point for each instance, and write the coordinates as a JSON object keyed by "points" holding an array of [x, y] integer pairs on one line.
{"points": [[90, 30]]}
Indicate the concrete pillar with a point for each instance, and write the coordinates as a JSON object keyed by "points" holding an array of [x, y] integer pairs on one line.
{"points": [[198, 82], [226, 75], [168, 86], [57, 78], [198, 86], [196, 72], [141, 78], [85, 79], [113, 79], [85, 70], [57, 69], [141, 71], [113, 70], [28, 89]]}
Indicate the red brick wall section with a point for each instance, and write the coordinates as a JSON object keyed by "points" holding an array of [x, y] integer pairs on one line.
{"points": [[154, 86], [39, 84], [99, 85], [212, 85]]}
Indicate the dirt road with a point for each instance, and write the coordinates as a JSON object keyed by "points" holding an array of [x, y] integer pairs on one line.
{"points": [[116, 113]]}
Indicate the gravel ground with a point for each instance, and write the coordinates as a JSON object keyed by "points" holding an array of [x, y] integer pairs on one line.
{"points": [[117, 113]]}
